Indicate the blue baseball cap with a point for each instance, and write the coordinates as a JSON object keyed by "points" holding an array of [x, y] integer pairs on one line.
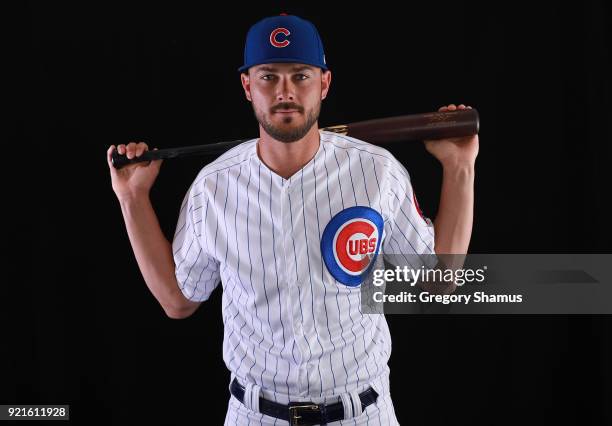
{"points": [[281, 39]]}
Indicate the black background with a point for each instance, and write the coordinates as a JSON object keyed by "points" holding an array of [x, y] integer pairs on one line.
{"points": [[81, 327]]}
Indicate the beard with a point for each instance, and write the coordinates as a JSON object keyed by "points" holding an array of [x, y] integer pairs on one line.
{"points": [[288, 133]]}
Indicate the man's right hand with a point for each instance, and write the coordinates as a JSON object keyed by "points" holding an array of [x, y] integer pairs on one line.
{"points": [[134, 179]]}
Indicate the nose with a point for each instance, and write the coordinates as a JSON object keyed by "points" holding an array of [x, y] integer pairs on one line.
{"points": [[286, 90]]}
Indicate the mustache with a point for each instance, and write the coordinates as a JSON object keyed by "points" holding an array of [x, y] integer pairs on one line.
{"points": [[286, 106]]}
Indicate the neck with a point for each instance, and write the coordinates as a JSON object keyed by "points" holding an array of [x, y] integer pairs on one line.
{"points": [[285, 159]]}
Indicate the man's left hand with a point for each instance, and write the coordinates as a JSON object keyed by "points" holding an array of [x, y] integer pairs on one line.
{"points": [[454, 152]]}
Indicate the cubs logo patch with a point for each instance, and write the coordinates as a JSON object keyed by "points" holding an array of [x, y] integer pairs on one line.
{"points": [[350, 243]]}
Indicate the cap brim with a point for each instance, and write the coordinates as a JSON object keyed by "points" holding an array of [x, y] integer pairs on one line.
{"points": [[282, 61]]}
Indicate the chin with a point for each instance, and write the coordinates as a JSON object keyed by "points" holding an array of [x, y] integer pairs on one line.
{"points": [[288, 120]]}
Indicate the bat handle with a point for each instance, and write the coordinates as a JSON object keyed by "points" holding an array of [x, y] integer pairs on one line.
{"points": [[121, 160]]}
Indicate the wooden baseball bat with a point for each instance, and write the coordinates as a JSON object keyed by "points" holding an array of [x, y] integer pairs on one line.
{"points": [[431, 125]]}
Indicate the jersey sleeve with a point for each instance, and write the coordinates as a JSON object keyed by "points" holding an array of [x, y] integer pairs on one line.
{"points": [[197, 272], [409, 234]]}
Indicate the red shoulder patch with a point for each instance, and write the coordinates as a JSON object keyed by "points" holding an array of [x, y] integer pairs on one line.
{"points": [[418, 208]]}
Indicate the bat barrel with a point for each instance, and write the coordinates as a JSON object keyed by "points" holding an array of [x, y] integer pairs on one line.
{"points": [[433, 125]]}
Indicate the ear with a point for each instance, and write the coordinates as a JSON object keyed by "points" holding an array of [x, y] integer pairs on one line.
{"points": [[246, 85], [326, 78]]}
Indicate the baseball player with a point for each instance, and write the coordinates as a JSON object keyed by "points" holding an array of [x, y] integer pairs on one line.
{"points": [[287, 223]]}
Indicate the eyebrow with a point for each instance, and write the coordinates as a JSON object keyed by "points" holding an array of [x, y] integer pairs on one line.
{"points": [[266, 68]]}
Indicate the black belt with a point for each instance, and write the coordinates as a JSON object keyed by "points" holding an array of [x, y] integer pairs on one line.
{"points": [[304, 413]]}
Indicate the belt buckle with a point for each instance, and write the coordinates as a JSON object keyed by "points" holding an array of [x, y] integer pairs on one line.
{"points": [[294, 417]]}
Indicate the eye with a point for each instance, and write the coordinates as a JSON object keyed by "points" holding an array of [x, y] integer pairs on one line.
{"points": [[301, 76], [267, 77]]}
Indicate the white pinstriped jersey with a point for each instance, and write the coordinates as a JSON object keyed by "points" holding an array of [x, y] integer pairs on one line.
{"points": [[292, 329]]}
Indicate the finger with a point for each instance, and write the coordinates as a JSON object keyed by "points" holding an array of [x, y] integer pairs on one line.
{"points": [[461, 106], [469, 107], [442, 109], [141, 148], [452, 107], [121, 149], [131, 149], [109, 156]]}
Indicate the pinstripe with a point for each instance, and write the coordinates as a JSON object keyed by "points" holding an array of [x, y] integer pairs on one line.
{"points": [[349, 299], [277, 285], [337, 288], [314, 171], [312, 291], [297, 281]]}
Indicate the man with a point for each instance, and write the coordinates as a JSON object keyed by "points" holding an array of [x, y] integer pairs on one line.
{"points": [[281, 221]]}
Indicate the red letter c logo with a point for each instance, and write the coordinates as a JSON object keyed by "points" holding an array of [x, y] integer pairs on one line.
{"points": [[276, 32]]}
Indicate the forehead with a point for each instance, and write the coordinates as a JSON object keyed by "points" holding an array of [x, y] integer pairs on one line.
{"points": [[283, 67]]}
